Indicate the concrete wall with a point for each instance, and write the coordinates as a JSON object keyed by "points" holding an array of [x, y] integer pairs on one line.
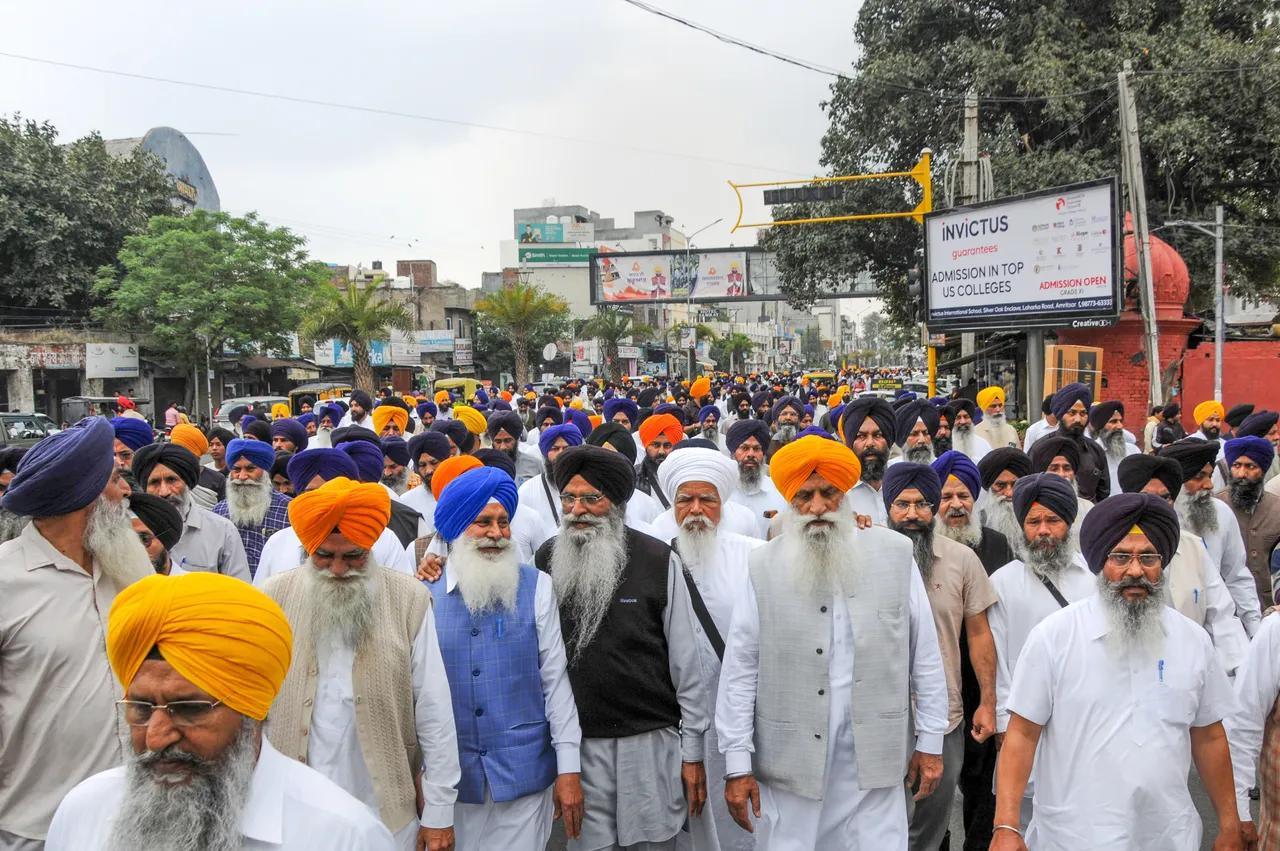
{"points": [[1250, 375]]}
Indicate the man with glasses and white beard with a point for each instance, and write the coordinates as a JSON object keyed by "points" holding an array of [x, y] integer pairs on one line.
{"points": [[994, 428], [60, 576], [1106, 421], [1000, 469]]}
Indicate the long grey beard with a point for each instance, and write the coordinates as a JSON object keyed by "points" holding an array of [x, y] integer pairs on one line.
{"points": [[488, 577], [998, 514], [970, 534], [322, 439], [815, 555], [248, 501], [711, 433], [1196, 511], [586, 568], [785, 433], [994, 421], [1133, 625], [182, 501], [204, 814], [962, 439], [921, 546], [116, 550], [399, 482], [1245, 493], [696, 539], [920, 454], [11, 525], [749, 478], [341, 607], [1050, 556], [1113, 443]]}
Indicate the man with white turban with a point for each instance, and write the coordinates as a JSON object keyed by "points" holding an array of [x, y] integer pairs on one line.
{"points": [[735, 517]]}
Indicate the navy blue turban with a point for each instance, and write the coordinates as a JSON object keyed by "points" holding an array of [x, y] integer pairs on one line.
{"points": [[132, 432], [764, 397], [457, 431], [625, 406], [1135, 471], [1257, 449], [256, 452], [292, 431], [501, 405], [1112, 519], [813, 431], [497, 459], [65, 471], [742, 429], [236, 414], [507, 421], [396, 449], [834, 414], [907, 415], [180, 459], [363, 399], [326, 463], [786, 402], [9, 458], [708, 411], [425, 408], [1257, 425], [368, 458], [672, 409], [955, 463], [1050, 490], [602, 468], [1004, 458], [880, 412], [431, 443], [571, 433], [333, 412], [581, 420], [904, 476], [1067, 397], [550, 411], [465, 497]]}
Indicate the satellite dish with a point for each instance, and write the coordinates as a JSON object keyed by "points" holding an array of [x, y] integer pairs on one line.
{"points": [[549, 351]]}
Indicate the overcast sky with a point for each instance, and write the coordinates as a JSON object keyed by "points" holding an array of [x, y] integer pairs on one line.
{"points": [[598, 71]]}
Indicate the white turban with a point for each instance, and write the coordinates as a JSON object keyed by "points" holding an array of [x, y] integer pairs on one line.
{"points": [[695, 464]]}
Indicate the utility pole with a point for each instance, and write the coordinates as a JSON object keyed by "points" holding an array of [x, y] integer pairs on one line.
{"points": [[1218, 232], [969, 195], [1132, 158]]}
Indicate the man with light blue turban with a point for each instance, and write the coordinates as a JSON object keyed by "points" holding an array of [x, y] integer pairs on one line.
{"points": [[499, 633]]}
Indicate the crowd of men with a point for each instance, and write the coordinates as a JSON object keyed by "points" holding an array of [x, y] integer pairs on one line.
{"points": [[747, 612]]}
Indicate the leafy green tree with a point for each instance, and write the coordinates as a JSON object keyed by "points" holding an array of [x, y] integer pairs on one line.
{"points": [[1046, 76], [730, 348], [355, 317], [527, 315], [206, 282], [611, 327], [65, 210]]}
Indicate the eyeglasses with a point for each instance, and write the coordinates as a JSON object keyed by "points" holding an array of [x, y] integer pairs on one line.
{"points": [[589, 500], [921, 506], [182, 713], [147, 538], [1147, 560]]}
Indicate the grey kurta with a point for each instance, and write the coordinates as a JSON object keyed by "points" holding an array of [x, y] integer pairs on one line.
{"points": [[211, 544]]}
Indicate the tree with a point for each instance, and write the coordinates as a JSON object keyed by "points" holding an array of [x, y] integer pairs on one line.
{"points": [[524, 313], [611, 327], [65, 210], [203, 283], [735, 345], [1046, 77], [354, 317]]}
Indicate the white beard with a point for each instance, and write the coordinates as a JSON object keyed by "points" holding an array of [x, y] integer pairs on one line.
{"points": [[204, 814], [1196, 511], [1047, 564], [248, 501], [698, 546], [1137, 626], [962, 438], [922, 454], [817, 556], [586, 567], [322, 439], [488, 577], [342, 607], [711, 433], [399, 482], [994, 421], [998, 514], [970, 534], [116, 550]]}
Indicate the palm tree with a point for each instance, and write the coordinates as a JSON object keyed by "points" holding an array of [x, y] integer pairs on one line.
{"points": [[517, 310], [611, 327], [354, 317], [701, 333], [737, 345]]}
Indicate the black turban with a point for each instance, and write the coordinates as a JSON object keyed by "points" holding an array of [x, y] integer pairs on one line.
{"points": [[508, 421], [947, 414], [1136, 470], [223, 435], [259, 430], [1102, 413], [904, 476], [742, 429], [1237, 414], [997, 461], [457, 431], [548, 411], [646, 397], [1050, 490], [736, 400], [306, 400], [615, 435], [1046, 407], [1066, 398], [363, 399], [1114, 518], [177, 458], [158, 515], [280, 467], [1192, 454], [236, 414], [431, 443], [963, 404], [347, 434], [917, 410], [881, 413], [1257, 424], [9, 458], [609, 471], [1171, 410], [498, 459], [1044, 450]]}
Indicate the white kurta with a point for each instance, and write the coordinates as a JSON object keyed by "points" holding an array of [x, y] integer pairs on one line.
{"points": [[978, 447], [1035, 431], [862, 498], [1113, 464], [1226, 549], [1204, 599], [291, 808], [1257, 689], [765, 498], [283, 551], [421, 500]]}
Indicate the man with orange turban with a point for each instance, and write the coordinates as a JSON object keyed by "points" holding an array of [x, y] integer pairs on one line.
{"points": [[367, 678], [819, 780], [658, 434], [210, 652]]}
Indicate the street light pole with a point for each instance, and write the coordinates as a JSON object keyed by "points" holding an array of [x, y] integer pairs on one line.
{"points": [[1220, 290], [688, 249]]}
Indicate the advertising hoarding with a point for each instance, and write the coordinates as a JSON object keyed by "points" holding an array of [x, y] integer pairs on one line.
{"points": [[1042, 259], [535, 233], [440, 340], [553, 255], [110, 360], [462, 352], [333, 353], [629, 352]]}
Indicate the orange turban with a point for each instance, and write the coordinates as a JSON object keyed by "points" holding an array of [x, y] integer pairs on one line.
{"points": [[837, 395], [700, 388], [279, 410], [384, 414], [449, 469], [661, 424], [442, 396], [471, 418], [1207, 409], [791, 465], [595, 421], [225, 636], [185, 434], [359, 511], [506, 395]]}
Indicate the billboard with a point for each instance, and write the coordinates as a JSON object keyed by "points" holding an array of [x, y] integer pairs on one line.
{"points": [[333, 353], [462, 352], [536, 233], [110, 360], [1044, 259], [555, 255], [440, 340]]}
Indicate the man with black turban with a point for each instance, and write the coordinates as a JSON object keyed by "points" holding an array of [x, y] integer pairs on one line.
{"points": [[1048, 575], [739, 409], [209, 543], [963, 435], [637, 679], [916, 427], [505, 432], [1071, 406], [747, 441], [869, 426], [159, 527], [999, 469], [1106, 421], [10, 524], [1124, 656]]}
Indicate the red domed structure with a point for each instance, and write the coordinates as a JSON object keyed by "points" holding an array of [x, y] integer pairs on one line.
{"points": [[1169, 276]]}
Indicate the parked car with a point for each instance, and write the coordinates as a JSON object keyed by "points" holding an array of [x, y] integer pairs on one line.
{"points": [[76, 408], [220, 416], [19, 429]]}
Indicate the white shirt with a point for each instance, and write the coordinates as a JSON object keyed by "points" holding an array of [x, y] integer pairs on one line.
{"points": [[1219, 612], [529, 462], [291, 808], [1257, 688], [1113, 464], [1035, 431], [862, 498], [978, 446], [283, 551], [1115, 750], [1226, 548], [765, 498]]}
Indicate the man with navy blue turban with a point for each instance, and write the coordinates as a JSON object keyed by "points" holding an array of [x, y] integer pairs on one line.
{"points": [[785, 418], [395, 464], [1257, 511], [539, 494], [917, 425], [288, 435], [59, 577], [130, 436], [504, 655], [709, 427], [1071, 406], [459, 435], [426, 450], [506, 431], [256, 508]]}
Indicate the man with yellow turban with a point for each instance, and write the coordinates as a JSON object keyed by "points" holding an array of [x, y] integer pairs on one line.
{"points": [[366, 701], [472, 419], [994, 428], [210, 653], [821, 781], [390, 419]]}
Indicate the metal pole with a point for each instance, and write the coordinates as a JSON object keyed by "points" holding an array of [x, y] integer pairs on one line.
{"points": [[1220, 305], [208, 381], [969, 190], [1035, 372]]}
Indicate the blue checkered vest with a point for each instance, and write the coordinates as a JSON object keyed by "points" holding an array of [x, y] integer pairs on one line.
{"points": [[492, 663]]}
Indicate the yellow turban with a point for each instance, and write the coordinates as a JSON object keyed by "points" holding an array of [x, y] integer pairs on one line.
{"points": [[796, 461], [409, 400], [700, 388], [576, 404], [384, 414], [449, 469], [1207, 409], [471, 418], [531, 395], [279, 410], [187, 435], [442, 396], [987, 395], [837, 395], [222, 634], [359, 511]]}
